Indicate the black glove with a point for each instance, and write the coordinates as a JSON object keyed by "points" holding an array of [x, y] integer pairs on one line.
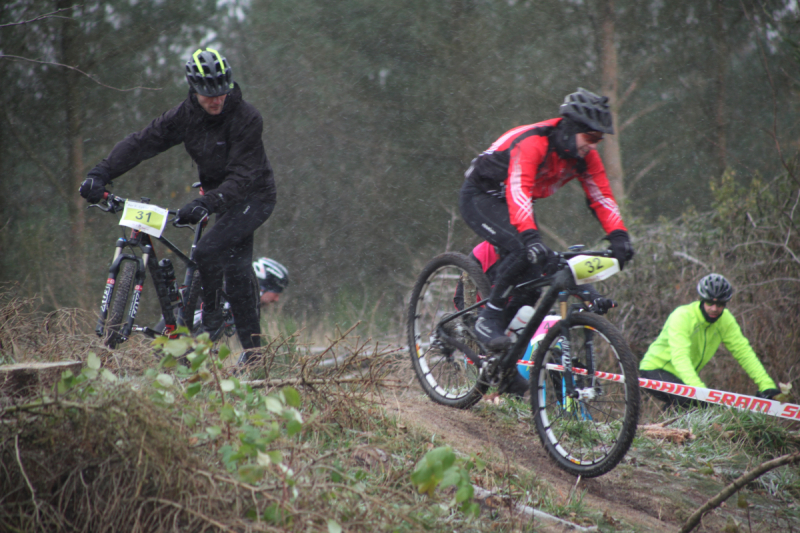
{"points": [[193, 212], [538, 253], [621, 248], [602, 305], [768, 394], [93, 189]]}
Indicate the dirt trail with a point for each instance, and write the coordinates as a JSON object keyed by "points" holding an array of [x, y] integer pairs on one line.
{"points": [[627, 500], [644, 492]]}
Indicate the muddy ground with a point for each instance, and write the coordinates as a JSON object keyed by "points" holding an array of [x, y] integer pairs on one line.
{"points": [[644, 493]]}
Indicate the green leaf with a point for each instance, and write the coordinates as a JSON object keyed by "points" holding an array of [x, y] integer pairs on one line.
{"points": [[227, 385], [177, 347], [227, 414], [252, 474], [198, 360], [273, 404], [165, 380], [224, 352], [90, 373], [464, 493], [275, 456], [292, 397], [192, 389], [214, 431], [93, 361], [333, 526], [293, 427], [108, 375]]}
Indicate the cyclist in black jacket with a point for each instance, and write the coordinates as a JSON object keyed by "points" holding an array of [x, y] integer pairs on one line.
{"points": [[222, 134]]}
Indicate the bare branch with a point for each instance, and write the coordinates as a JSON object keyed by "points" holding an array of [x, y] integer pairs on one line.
{"points": [[18, 58], [45, 16], [51, 177], [692, 259], [636, 116], [776, 244], [740, 482]]}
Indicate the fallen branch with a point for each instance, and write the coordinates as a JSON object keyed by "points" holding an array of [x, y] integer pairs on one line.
{"points": [[737, 484]]}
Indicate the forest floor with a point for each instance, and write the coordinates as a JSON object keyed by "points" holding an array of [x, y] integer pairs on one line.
{"points": [[648, 491]]}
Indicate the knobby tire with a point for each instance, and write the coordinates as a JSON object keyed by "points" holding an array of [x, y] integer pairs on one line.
{"points": [[119, 304], [447, 378], [586, 438]]}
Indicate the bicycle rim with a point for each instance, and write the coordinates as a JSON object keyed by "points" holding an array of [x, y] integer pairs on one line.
{"points": [[445, 373], [586, 437]]}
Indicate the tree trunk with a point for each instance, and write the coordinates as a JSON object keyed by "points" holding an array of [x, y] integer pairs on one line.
{"points": [[70, 56], [721, 60], [612, 157]]}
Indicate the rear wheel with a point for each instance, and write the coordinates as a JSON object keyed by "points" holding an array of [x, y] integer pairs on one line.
{"points": [[445, 372], [119, 304], [587, 436]]}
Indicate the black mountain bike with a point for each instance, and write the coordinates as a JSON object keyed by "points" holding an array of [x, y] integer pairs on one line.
{"points": [[133, 258], [584, 382]]}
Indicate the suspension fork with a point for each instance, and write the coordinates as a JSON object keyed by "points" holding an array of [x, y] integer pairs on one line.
{"points": [[108, 292], [568, 382]]}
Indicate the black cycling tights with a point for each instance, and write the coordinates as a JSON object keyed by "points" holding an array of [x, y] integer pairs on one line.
{"points": [[488, 217], [226, 251]]}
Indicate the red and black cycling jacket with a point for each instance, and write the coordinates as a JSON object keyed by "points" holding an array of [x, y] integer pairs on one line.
{"points": [[522, 166]]}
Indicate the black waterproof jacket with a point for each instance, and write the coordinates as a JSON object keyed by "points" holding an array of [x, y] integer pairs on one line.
{"points": [[227, 149]]}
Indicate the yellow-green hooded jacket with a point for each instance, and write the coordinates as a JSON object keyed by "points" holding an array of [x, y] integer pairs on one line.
{"points": [[688, 342]]}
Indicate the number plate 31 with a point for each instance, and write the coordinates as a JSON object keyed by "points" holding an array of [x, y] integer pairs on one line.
{"points": [[588, 269], [146, 218]]}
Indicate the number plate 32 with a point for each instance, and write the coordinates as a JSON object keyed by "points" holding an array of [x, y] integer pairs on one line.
{"points": [[146, 218], [588, 269]]}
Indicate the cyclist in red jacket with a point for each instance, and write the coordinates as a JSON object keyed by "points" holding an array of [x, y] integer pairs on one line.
{"points": [[528, 163]]}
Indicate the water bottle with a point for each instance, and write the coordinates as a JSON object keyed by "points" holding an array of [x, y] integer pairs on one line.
{"points": [[519, 322], [168, 274]]}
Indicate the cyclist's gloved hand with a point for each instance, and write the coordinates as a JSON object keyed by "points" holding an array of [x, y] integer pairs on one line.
{"points": [[621, 248], [93, 189], [193, 212], [538, 253], [602, 305], [768, 393]]}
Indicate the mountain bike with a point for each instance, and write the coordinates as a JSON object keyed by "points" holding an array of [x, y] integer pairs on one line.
{"points": [[585, 422], [133, 257]]}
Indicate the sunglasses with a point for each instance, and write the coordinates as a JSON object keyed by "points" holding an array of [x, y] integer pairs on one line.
{"points": [[718, 304], [593, 137]]}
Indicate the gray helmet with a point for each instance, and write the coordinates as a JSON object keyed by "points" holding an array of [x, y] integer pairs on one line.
{"points": [[272, 276], [208, 73], [714, 288], [589, 109]]}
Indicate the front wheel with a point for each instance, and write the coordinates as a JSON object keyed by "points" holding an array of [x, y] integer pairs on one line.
{"points": [[587, 435], [449, 283], [116, 316]]}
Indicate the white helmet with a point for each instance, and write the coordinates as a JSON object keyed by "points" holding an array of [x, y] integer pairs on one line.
{"points": [[272, 276]]}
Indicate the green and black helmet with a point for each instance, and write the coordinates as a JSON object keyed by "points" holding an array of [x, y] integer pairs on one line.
{"points": [[208, 73], [589, 109]]}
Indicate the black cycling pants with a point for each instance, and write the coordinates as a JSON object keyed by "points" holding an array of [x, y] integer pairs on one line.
{"points": [[488, 216], [669, 400], [225, 253]]}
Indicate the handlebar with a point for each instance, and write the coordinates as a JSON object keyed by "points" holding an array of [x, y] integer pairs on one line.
{"points": [[115, 204]]}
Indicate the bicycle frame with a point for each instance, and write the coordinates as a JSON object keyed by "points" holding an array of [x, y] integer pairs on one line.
{"points": [[148, 260], [561, 286]]}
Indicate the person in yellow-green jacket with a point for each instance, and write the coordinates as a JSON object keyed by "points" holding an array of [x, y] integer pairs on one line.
{"points": [[690, 338]]}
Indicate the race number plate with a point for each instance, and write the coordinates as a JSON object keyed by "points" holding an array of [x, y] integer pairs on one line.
{"points": [[146, 218], [588, 269]]}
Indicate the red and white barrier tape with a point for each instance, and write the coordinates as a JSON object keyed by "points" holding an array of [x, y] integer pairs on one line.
{"points": [[739, 401]]}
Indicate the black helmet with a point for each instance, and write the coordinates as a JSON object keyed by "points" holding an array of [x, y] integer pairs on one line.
{"points": [[272, 276], [588, 109], [208, 73], [714, 288]]}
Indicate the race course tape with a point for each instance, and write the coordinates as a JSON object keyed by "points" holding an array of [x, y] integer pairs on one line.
{"points": [[730, 399]]}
